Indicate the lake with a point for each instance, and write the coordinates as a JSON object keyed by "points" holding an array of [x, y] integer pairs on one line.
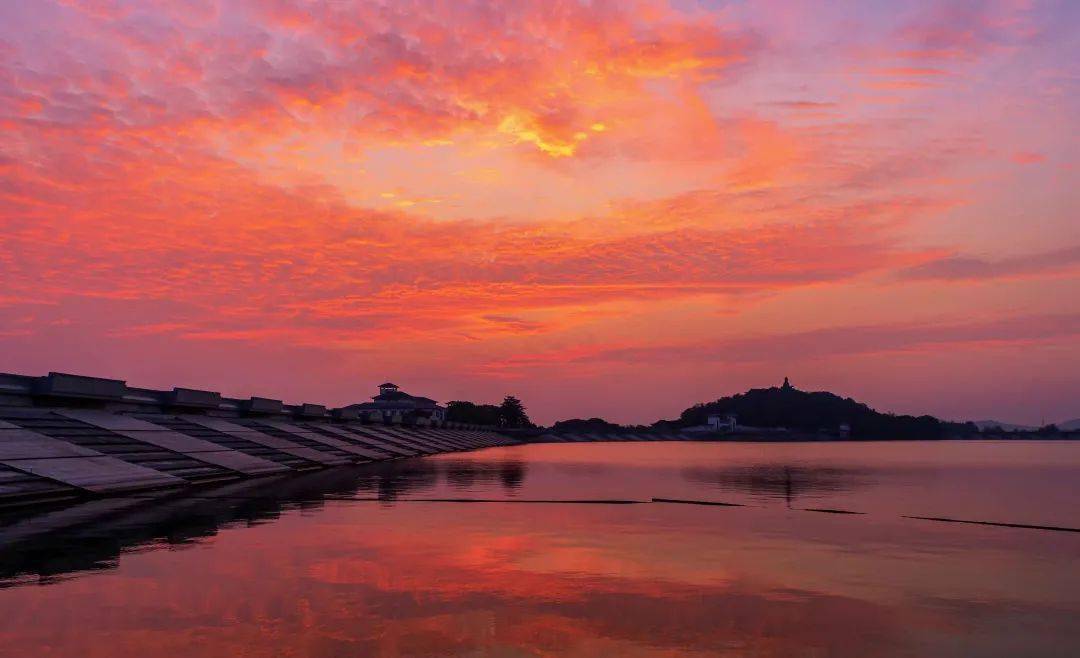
{"points": [[562, 550]]}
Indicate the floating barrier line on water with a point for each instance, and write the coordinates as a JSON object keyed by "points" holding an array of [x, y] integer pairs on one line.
{"points": [[373, 499], [617, 501], [825, 510], [942, 519], [497, 500], [712, 503]]}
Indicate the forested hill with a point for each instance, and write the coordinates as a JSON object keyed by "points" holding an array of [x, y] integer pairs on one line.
{"points": [[786, 406]]}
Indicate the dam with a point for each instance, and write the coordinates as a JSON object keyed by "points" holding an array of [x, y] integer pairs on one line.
{"points": [[65, 436]]}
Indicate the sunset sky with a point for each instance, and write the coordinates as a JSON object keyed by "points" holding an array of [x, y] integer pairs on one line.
{"points": [[608, 208]]}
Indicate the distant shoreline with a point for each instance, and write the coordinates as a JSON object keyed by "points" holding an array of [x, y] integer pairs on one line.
{"points": [[770, 437]]}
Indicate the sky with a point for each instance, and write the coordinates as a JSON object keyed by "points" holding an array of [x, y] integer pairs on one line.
{"points": [[607, 208]]}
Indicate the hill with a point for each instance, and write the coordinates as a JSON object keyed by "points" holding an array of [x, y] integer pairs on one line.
{"points": [[788, 407]]}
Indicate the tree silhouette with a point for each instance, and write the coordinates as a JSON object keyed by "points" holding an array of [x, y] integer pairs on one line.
{"points": [[512, 413], [460, 411]]}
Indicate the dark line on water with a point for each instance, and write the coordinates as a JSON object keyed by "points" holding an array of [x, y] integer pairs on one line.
{"points": [[1054, 528], [616, 501], [495, 500], [713, 503], [374, 499], [825, 510]]}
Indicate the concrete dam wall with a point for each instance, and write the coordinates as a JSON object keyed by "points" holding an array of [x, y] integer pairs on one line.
{"points": [[68, 436]]}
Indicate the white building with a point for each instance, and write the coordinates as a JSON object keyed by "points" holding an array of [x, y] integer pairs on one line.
{"points": [[721, 422]]}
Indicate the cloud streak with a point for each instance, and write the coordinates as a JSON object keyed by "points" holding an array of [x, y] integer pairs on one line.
{"points": [[961, 268], [866, 339]]}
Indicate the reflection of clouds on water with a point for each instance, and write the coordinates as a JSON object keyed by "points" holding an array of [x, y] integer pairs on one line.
{"points": [[47, 545], [436, 580], [787, 482], [553, 614], [364, 582]]}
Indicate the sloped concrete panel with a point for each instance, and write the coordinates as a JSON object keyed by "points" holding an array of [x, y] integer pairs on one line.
{"points": [[102, 475], [368, 434], [386, 434], [442, 437], [410, 438], [24, 444], [283, 445], [369, 438], [434, 437], [77, 466], [200, 449], [320, 438], [346, 436]]}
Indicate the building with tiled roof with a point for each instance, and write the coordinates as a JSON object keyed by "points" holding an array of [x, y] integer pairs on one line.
{"points": [[393, 404]]}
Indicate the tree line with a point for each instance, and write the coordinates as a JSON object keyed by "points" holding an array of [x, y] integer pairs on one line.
{"points": [[509, 414]]}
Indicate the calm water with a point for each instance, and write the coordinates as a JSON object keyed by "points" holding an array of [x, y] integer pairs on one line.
{"points": [[378, 561]]}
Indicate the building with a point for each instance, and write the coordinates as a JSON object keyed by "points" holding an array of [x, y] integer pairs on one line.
{"points": [[714, 424], [394, 405], [66, 436], [721, 422]]}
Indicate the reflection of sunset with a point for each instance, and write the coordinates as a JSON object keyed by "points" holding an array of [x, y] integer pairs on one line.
{"points": [[299, 568], [408, 580], [652, 202]]}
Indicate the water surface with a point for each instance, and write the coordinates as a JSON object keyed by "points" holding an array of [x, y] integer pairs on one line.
{"points": [[380, 561]]}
